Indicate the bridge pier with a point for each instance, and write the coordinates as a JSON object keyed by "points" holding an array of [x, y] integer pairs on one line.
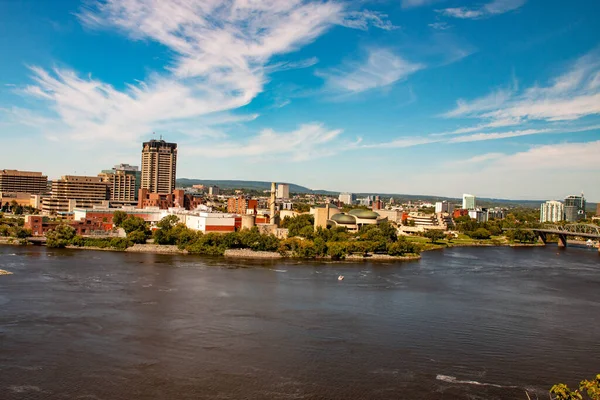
{"points": [[562, 240], [543, 237]]}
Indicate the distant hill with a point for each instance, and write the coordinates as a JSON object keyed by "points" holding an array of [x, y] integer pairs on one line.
{"points": [[248, 185], [261, 186]]}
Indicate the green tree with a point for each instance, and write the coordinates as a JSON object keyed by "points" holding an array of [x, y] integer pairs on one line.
{"points": [[168, 222], [137, 236], [295, 224], [133, 223], [118, 218], [480, 234], [591, 388], [434, 235], [20, 232], [60, 237], [522, 236]]}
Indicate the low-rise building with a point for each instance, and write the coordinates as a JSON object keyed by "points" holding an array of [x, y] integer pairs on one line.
{"points": [[178, 198], [242, 205], [211, 222], [40, 225]]}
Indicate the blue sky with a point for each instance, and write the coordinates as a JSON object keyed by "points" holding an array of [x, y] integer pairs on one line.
{"points": [[500, 98]]}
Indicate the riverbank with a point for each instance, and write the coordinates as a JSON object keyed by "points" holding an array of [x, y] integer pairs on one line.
{"points": [[425, 245], [136, 248], [251, 254]]}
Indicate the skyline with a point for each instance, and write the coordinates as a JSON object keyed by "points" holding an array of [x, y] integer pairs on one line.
{"points": [[414, 96]]}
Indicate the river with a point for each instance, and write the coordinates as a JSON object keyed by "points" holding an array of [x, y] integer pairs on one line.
{"points": [[464, 323]]}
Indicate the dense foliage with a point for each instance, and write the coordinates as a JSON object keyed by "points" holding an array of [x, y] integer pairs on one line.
{"points": [[60, 237], [306, 242], [136, 229], [434, 235], [13, 227], [588, 388]]}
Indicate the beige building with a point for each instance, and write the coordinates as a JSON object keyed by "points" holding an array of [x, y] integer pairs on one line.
{"points": [[23, 182], [323, 213], [159, 162], [76, 191], [283, 191], [123, 183]]}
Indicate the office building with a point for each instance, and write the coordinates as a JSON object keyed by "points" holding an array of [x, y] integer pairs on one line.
{"points": [[444, 207], [479, 215], [76, 191], [213, 191], [347, 198], [124, 182], [159, 165], [468, 202], [552, 211], [574, 208], [283, 191], [14, 181], [241, 205]]}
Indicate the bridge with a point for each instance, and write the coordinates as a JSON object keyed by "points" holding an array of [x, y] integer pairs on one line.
{"points": [[587, 231]]}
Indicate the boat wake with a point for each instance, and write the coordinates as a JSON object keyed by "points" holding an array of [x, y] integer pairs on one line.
{"points": [[452, 379]]}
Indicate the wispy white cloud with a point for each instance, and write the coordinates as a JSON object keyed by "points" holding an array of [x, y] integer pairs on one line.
{"points": [[479, 159], [380, 68], [570, 96], [401, 143], [416, 3], [307, 142], [222, 54], [476, 137], [363, 19], [487, 10], [555, 157], [440, 26]]}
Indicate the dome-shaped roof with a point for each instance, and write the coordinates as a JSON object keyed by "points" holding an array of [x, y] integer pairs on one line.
{"points": [[343, 219], [331, 205], [363, 214]]}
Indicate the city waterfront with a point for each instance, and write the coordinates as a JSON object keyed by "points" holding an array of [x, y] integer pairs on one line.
{"points": [[463, 323]]}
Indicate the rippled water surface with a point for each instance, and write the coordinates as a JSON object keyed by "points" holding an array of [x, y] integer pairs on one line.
{"points": [[470, 323]]}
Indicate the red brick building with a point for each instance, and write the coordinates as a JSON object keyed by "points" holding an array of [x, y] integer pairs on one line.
{"points": [[460, 212], [39, 226], [163, 201], [241, 205]]}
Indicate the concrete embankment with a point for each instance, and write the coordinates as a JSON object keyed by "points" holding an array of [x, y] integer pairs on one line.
{"points": [[155, 248], [247, 253]]}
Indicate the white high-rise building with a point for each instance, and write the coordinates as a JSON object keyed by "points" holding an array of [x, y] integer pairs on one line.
{"points": [[283, 191], [468, 202], [444, 207], [346, 198], [552, 211]]}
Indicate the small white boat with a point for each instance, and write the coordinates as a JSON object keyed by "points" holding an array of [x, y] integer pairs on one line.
{"points": [[341, 278], [590, 243]]}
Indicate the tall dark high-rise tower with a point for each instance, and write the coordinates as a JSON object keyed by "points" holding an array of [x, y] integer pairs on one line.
{"points": [[159, 165]]}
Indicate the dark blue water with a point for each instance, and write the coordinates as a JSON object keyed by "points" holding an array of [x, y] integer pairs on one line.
{"points": [[470, 323]]}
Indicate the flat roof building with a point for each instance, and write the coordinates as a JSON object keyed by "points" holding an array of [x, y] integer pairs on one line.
{"points": [[23, 182], [468, 202], [283, 191], [124, 182], [159, 166], [574, 208], [552, 211], [75, 191]]}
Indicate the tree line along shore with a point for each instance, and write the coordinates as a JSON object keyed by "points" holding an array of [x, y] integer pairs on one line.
{"points": [[370, 242]]}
